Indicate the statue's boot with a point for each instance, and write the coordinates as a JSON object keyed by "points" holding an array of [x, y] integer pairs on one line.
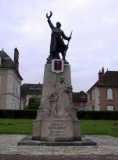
{"points": [[63, 57]]}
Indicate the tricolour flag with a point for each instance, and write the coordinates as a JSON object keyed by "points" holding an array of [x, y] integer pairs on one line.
{"points": [[57, 65]]}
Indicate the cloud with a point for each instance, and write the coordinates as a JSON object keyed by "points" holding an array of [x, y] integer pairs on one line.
{"points": [[93, 44]]}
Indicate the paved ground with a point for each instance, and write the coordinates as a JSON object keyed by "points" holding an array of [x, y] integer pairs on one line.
{"points": [[59, 157], [107, 148]]}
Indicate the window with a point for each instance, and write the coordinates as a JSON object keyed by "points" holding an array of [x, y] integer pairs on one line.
{"points": [[81, 104], [82, 96], [38, 88], [18, 90], [14, 86], [13, 104], [109, 108], [109, 93]]}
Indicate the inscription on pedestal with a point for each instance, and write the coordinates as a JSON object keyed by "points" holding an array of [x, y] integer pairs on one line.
{"points": [[57, 130]]}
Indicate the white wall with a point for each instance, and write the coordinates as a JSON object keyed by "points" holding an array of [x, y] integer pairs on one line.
{"points": [[12, 102], [13, 91], [88, 97]]}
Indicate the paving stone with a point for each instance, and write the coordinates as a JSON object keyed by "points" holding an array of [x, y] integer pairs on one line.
{"points": [[106, 145], [59, 157]]}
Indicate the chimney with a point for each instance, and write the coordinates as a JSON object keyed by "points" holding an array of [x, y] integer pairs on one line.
{"points": [[100, 76], [16, 58], [103, 70]]}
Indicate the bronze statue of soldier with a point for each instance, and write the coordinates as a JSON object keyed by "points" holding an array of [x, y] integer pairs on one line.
{"points": [[57, 44]]}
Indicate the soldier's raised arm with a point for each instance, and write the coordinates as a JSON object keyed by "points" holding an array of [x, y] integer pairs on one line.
{"points": [[49, 21]]}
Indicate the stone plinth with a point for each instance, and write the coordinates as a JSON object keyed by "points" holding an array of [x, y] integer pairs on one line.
{"points": [[57, 129], [36, 130], [85, 141], [56, 118], [76, 130]]}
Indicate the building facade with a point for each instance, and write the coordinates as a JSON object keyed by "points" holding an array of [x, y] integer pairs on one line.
{"points": [[10, 81], [31, 90], [103, 95], [79, 100]]}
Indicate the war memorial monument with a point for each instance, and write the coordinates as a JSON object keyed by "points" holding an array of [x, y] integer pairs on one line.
{"points": [[56, 118], [56, 122]]}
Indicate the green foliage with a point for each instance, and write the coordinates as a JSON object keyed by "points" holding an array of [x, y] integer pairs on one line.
{"points": [[98, 115], [16, 114], [33, 104], [87, 115]]}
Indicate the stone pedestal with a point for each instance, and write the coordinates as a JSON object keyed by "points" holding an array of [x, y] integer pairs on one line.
{"points": [[56, 119], [57, 129]]}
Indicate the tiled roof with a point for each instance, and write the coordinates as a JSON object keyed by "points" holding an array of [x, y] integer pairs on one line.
{"points": [[79, 96], [110, 79], [31, 89], [6, 62]]}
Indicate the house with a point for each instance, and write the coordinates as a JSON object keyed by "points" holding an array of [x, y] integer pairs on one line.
{"points": [[79, 100], [31, 90], [35, 90], [103, 95], [10, 81]]}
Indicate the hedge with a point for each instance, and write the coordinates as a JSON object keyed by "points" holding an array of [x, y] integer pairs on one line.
{"points": [[31, 114], [17, 114], [98, 115]]}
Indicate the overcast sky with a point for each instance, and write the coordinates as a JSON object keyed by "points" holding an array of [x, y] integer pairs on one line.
{"points": [[94, 42]]}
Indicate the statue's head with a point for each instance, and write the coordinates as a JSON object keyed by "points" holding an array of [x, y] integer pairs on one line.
{"points": [[58, 25]]}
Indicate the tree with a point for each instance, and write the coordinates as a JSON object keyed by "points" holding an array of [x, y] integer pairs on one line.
{"points": [[33, 103]]}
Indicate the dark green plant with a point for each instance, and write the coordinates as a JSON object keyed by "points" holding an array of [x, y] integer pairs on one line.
{"points": [[98, 115], [33, 104], [18, 114], [89, 115]]}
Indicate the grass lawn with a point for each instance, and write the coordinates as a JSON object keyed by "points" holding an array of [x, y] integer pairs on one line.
{"points": [[88, 127], [99, 127], [16, 126]]}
